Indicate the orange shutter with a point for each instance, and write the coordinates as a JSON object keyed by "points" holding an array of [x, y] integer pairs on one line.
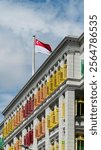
{"points": [[44, 91], [43, 125], [36, 131], [38, 97], [41, 93]]}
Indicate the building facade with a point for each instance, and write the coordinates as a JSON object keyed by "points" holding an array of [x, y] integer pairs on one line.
{"points": [[48, 112]]}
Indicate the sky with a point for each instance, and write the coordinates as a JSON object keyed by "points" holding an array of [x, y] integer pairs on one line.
{"points": [[49, 20]]}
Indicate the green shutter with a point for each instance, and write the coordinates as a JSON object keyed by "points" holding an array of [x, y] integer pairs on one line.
{"points": [[78, 145], [1, 143], [82, 67], [82, 145]]}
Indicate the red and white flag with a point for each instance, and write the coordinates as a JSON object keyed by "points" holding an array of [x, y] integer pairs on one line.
{"points": [[42, 47]]}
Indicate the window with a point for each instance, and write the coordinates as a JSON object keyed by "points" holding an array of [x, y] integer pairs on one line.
{"points": [[80, 145], [82, 67], [79, 107], [79, 142]]}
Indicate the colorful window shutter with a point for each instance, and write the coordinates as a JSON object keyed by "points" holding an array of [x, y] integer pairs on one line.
{"points": [[25, 140], [48, 121], [41, 93], [56, 146], [52, 119], [47, 86], [61, 74], [63, 145], [31, 136], [39, 129], [56, 112], [29, 106], [52, 147], [26, 109], [43, 125], [32, 103], [36, 131], [51, 83], [58, 77], [44, 91], [23, 109], [82, 67], [20, 143], [39, 101]]}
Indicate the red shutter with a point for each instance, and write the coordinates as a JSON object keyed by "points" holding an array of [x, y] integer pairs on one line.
{"points": [[28, 138], [23, 112], [26, 109], [25, 140], [32, 136], [32, 104]]}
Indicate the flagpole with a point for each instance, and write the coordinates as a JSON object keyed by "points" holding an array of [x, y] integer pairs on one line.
{"points": [[33, 56]]}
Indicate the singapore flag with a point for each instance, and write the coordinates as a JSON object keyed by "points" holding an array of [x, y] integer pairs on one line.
{"points": [[42, 47]]}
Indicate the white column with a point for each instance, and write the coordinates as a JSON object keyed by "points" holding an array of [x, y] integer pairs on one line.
{"points": [[69, 120], [60, 121], [35, 140], [70, 64], [77, 66], [62, 62], [32, 128], [23, 134], [7, 146]]}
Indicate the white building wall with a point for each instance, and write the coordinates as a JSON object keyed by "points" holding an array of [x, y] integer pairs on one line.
{"points": [[70, 66], [69, 120]]}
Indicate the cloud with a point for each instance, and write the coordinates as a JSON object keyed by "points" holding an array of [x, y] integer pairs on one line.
{"points": [[5, 98], [50, 20], [21, 18]]}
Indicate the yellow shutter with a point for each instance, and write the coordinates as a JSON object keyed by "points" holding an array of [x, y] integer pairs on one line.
{"points": [[63, 145], [48, 121], [56, 146], [47, 84], [10, 125], [52, 119], [57, 81], [61, 74], [3, 131], [56, 113], [54, 81], [51, 147]]}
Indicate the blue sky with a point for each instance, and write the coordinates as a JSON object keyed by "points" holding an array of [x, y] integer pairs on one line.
{"points": [[49, 20]]}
